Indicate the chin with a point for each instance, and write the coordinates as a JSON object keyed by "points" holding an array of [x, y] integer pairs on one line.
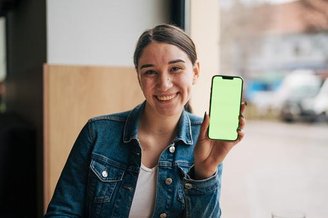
{"points": [[170, 112]]}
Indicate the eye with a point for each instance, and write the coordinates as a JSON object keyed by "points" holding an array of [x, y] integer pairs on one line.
{"points": [[175, 69], [149, 73]]}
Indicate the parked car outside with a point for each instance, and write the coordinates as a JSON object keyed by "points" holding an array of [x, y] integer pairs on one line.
{"points": [[320, 103], [294, 98]]}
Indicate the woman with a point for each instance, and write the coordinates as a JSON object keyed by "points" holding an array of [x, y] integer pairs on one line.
{"points": [[155, 160]]}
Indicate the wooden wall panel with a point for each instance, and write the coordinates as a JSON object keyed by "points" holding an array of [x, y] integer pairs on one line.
{"points": [[72, 95]]}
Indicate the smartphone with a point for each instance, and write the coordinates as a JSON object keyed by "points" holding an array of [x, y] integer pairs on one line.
{"points": [[225, 104]]}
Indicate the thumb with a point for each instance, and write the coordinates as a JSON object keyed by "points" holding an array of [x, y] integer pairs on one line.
{"points": [[204, 127]]}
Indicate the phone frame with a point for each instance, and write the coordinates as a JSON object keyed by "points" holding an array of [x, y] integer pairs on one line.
{"points": [[230, 77]]}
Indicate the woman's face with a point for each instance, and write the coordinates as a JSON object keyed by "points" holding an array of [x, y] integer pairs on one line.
{"points": [[166, 76]]}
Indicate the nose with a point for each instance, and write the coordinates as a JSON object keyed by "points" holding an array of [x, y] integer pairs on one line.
{"points": [[164, 82]]}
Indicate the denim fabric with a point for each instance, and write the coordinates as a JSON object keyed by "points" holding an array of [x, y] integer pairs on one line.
{"points": [[100, 175]]}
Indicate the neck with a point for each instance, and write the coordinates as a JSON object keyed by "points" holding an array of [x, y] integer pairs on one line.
{"points": [[158, 124]]}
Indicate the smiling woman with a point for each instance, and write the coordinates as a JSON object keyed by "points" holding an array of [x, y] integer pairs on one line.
{"points": [[172, 37], [166, 76], [157, 153]]}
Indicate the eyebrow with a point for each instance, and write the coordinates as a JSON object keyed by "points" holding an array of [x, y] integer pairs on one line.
{"points": [[170, 62], [146, 65], [176, 61]]}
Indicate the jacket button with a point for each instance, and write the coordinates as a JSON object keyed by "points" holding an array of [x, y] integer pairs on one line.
{"points": [[168, 181], [104, 173], [188, 186], [172, 149], [163, 215]]}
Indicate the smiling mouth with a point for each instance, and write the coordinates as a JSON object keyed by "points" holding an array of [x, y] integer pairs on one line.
{"points": [[165, 97]]}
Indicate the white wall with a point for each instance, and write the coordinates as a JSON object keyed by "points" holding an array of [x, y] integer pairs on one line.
{"points": [[99, 32]]}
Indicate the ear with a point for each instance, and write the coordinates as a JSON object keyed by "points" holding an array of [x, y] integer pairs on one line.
{"points": [[196, 71]]}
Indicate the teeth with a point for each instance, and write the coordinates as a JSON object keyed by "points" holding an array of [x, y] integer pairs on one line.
{"points": [[165, 97]]}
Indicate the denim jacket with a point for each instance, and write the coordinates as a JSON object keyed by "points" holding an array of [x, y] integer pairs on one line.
{"points": [[100, 175]]}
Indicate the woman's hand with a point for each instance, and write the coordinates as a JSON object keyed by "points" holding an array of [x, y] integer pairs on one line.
{"points": [[210, 153]]}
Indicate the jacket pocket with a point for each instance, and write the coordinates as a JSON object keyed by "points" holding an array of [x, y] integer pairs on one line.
{"points": [[104, 178]]}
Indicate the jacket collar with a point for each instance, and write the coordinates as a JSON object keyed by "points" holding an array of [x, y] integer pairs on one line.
{"points": [[130, 133]]}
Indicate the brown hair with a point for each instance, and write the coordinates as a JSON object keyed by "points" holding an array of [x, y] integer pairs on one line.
{"points": [[169, 34]]}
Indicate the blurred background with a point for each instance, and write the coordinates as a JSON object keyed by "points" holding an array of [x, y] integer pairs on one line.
{"points": [[51, 53], [280, 48]]}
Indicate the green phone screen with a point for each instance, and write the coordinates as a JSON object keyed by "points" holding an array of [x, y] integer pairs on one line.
{"points": [[226, 95]]}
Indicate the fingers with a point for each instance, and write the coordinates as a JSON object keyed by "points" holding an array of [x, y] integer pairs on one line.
{"points": [[243, 107], [204, 127], [242, 121]]}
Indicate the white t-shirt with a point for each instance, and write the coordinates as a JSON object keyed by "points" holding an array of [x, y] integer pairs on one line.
{"points": [[144, 196]]}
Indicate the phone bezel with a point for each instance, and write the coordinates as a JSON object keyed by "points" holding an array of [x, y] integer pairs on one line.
{"points": [[228, 77]]}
